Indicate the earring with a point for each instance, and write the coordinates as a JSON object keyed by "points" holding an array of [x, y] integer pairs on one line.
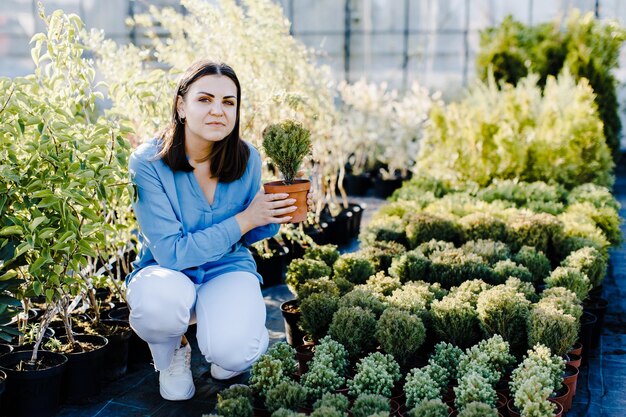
{"points": [[182, 119]]}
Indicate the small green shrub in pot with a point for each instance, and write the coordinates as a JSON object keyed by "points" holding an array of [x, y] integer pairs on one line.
{"points": [[478, 409], [353, 267], [286, 355], [287, 394], [321, 378], [266, 373], [537, 263], [474, 387], [318, 285], [400, 334], [381, 284], [352, 327], [380, 254], [430, 408], [375, 374], [571, 278], [552, 327], [542, 363], [526, 288], [325, 253], [456, 321], [607, 219], [286, 144], [384, 228], [433, 245], [327, 412], [447, 356], [454, 266], [480, 225], [283, 412], [504, 311], [367, 405], [491, 251], [411, 266], [470, 290], [236, 391], [414, 297], [337, 401], [330, 349], [531, 398], [419, 387], [589, 261], [235, 407], [317, 313], [300, 271], [423, 227], [532, 229], [506, 269], [363, 297], [564, 300], [595, 194]]}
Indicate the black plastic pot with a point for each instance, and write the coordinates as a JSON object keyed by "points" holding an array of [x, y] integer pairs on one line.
{"points": [[116, 354], [357, 185], [597, 307], [384, 188], [292, 332], [272, 269], [5, 348], [357, 215], [84, 370], [35, 393], [587, 323], [138, 350]]}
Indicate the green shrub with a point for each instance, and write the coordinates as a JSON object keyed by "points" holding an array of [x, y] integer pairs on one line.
{"points": [[325, 253], [474, 387], [327, 412], [504, 311], [286, 355], [235, 391], [563, 299], [480, 225], [317, 313], [411, 266], [287, 394], [447, 356], [531, 398], [454, 266], [329, 349], [384, 229], [430, 408], [352, 327], [595, 194], [300, 271], [286, 144], [419, 387], [375, 374], [321, 378], [322, 285], [492, 353], [470, 290], [607, 219], [266, 373], [235, 407], [506, 269], [381, 284], [537, 263], [414, 297], [400, 334], [363, 297], [337, 401], [570, 278], [282, 412], [552, 327], [478, 409], [524, 194], [491, 251], [455, 320], [380, 254], [536, 230], [423, 227], [579, 224], [368, 404], [432, 246], [526, 288], [539, 361], [417, 185], [590, 262], [353, 267]]}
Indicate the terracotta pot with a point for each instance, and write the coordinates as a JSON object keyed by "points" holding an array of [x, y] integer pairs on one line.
{"points": [[570, 377], [297, 190], [577, 349], [574, 360], [304, 354], [514, 413], [561, 396]]}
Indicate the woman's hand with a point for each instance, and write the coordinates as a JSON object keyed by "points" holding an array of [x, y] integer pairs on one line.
{"points": [[310, 195], [265, 209]]}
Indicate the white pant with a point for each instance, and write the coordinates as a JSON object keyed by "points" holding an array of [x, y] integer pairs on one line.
{"points": [[229, 311]]}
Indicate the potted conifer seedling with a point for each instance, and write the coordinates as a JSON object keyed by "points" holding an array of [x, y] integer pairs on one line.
{"points": [[286, 144]]}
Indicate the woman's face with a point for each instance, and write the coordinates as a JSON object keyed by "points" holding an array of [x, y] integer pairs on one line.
{"points": [[209, 108]]}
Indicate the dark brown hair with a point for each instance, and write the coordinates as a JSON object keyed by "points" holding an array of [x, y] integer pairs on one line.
{"points": [[228, 157]]}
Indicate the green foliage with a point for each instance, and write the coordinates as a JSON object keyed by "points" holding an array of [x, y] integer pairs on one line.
{"points": [[286, 355], [423, 227], [447, 356], [571, 278], [325, 253], [490, 358], [300, 271], [287, 394], [353, 267], [381, 284], [595, 194], [368, 404], [432, 246], [506, 269], [480, 225], [384, 228], [552, 327], [474, 387], [321, 377], [542, 363], [430, 408], [411, 266], [235, 407], [415, 297], [235, 391], [337, 401], [352, 326], [605, 218], [504, 311], [421, 183], [317, 313], [454, 266], [455, 320], [322, 285], [375, 374], [537, 263], [586, 47], [327, 412], [286, 144], [531, 398], [525, 288], [491, 251], [537, 196], [282, 412], [535, 230], [419, 387], [400, 334], [266, 373], [381, 253], [329, 349], [563, 299], [590, 262], [478, 409], [364, 298]]}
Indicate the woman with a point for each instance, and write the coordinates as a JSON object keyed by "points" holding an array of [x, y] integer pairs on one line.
{"points": [[198, 206]]}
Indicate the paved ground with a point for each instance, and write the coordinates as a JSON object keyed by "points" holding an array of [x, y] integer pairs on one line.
{"points": [[601, 385]]}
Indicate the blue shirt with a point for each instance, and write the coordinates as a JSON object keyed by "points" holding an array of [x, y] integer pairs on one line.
{"points": [[180, 230]]}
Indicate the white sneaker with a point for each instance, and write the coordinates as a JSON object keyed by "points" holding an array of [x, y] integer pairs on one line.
{"points": [[176, 382], [218, 372]]}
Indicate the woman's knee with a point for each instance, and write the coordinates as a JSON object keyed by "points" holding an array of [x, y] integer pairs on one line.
{"points": [[238, 354]]}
